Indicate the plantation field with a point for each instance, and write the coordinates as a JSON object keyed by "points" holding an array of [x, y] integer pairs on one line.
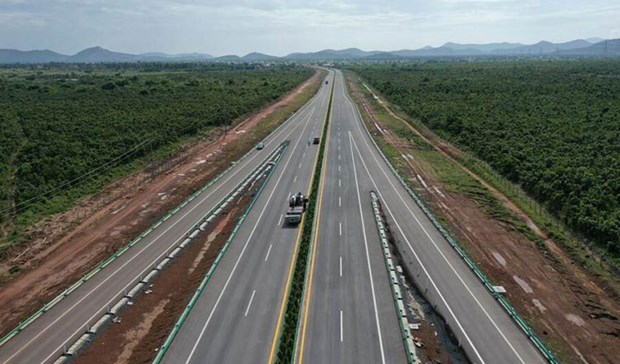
{"points": [[67, 129], [553, 127]]}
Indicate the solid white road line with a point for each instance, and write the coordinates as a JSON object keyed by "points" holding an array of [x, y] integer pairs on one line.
{"points": [[250, 303], [268, 251], [372, 284], [384, 202], [341, 328], [234, 269]]}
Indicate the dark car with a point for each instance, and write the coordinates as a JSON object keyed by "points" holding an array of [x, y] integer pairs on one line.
{"points": [[316, 140]]}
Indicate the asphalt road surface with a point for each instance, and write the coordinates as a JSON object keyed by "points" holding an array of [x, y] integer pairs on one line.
{"points": [[236, 317], [482, 327], [352, 317], [44, 340]]}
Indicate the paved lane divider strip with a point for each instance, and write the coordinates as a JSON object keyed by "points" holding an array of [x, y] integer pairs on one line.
{"points": [[268, 170], [287, 340], [133, 242], [396, 292], [525, 328]]}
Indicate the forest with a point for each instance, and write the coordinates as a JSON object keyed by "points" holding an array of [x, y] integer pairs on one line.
{"points": [[62, 125], [553, 127]]}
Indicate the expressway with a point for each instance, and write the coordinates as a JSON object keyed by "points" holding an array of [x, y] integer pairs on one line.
{"points": [[482, 327], [44, 340], [351, 317], [236, 318]]}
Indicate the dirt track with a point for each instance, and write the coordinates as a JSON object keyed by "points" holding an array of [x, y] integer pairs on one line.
{"points": [[68, 245], [575, 315]]}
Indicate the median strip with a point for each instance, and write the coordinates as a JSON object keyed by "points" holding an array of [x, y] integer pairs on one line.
{"points": [[394, 283], [288, 336]]}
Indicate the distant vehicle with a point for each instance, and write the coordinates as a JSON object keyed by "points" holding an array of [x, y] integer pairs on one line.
{"points": [[260, 146], [326, 82], [296, 207], [316, 140]]}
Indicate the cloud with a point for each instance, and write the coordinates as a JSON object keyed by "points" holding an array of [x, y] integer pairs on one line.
{"points": [[283, 26]]}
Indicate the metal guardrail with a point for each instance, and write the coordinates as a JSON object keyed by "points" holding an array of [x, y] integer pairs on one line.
{"points": [[191, 233], [527, 330], [22, 325], [177, 326], [396, 293]]}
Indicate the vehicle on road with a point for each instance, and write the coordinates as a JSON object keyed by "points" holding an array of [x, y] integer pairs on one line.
{"points": [[316, 140], [296, 207], [326, 82], [260, 146]]}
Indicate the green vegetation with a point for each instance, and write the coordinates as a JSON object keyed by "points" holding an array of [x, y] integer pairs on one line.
{"points": [[68, 129], [552, 127], [287, 340]]}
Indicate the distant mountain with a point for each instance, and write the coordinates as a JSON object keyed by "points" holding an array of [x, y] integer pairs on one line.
{"points": [[383, 56], [101, 55], [96, 55], [228, 58], [257, 57], [544, 47], [331, 54], [606, 48], [591, 47], [442, 51], [486, 48], [181, 57], [43, 56]]}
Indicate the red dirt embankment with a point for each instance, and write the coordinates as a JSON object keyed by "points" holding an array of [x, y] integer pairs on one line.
{"points": [[68, 245]]}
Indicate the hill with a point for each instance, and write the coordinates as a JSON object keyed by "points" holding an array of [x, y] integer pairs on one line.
{"points": [[256, 57], [35, 56], [101, 55]]}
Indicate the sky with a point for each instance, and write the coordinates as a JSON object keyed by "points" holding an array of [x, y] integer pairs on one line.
{"points": [[279, 27]]}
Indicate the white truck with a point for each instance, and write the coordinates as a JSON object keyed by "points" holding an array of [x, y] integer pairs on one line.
{"points": [[296, 207]]}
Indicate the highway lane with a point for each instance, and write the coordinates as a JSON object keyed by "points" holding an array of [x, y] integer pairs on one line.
{"points": [[351, 317], [46, 338], [235, 319], [483, 328]]}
